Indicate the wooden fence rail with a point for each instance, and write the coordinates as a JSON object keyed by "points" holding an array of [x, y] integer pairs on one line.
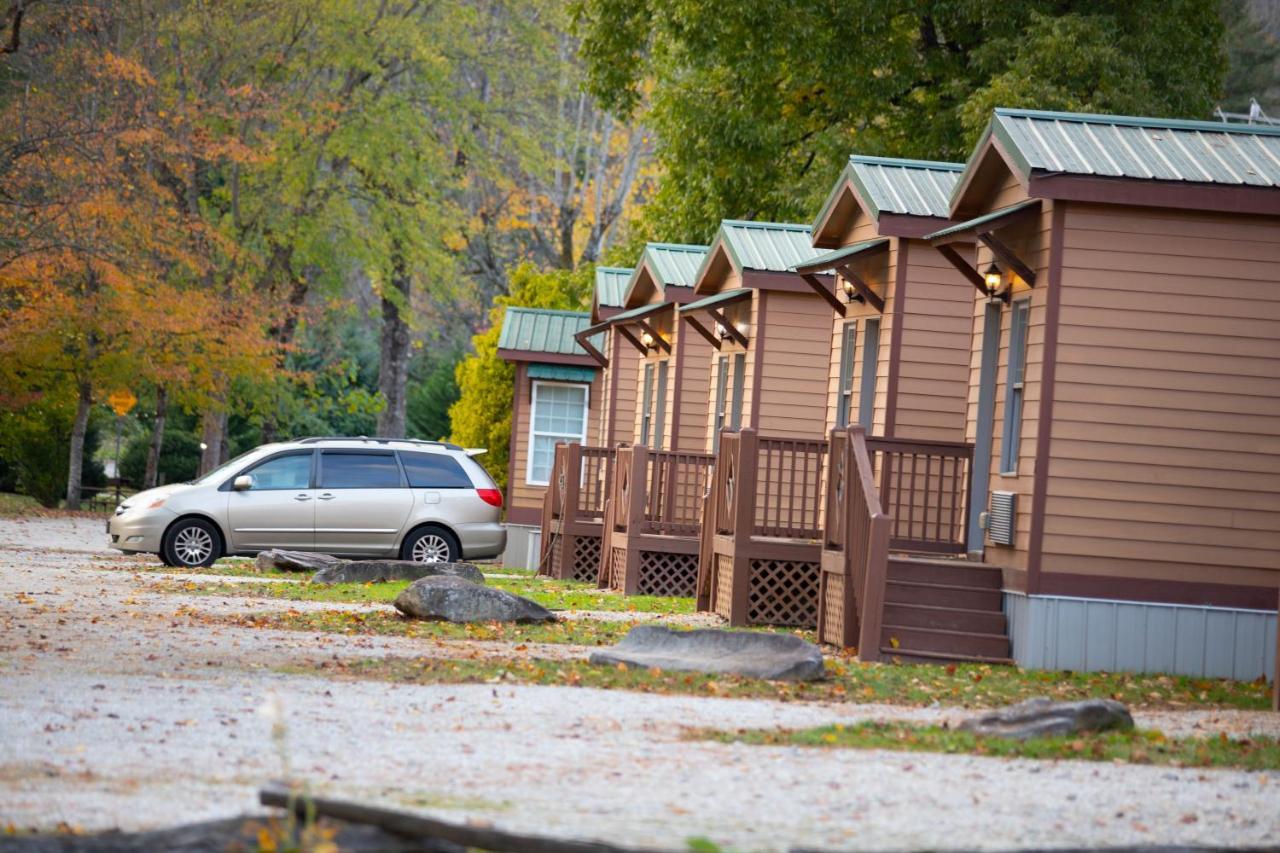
{"points": [[572, 509], [925, 487]]}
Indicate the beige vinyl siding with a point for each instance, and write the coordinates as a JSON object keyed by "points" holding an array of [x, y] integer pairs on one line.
{"points": [[1166, 441], [1030, 240], [685, 389], [797, 350], [879, 275], [524, 494], [622, 367]]}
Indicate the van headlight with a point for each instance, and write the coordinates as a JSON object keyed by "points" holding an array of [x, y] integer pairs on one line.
{"points": [[158, 502]]}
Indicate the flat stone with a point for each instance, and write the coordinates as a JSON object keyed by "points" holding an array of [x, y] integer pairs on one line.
{"points": [[377, 571], [1043, 717], [294, 561], [454, 599], [755, 654]]}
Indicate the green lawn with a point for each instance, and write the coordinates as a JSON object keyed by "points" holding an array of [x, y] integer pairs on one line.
{"points": [[11, 505], [552, 594], [1136, 747], [917, 684]]}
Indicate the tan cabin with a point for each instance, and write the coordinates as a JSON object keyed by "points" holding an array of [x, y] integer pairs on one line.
{"points": [[618, 389], [556, 400], [1124, 387]]}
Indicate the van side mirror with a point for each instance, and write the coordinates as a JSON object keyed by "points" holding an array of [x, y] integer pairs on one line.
{"points": [[243, 483]]}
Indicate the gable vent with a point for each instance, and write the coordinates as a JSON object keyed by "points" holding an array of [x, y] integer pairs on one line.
{"points": [[1000, 524]]}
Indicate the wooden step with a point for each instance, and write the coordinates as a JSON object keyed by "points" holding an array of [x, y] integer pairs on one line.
{"points": [[946, 642], [901, 655], [946, 618], [943, 595], [949, 572]]}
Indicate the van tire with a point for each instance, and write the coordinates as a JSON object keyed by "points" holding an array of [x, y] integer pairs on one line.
{"points": [[431, 544], [191, 543]]}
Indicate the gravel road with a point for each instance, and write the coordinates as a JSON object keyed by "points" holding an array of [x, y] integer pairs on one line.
{"points": [[115, 712]]}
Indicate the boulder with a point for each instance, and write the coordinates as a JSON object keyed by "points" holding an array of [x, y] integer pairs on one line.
{"points": [[454, 599], [1042, 717], [295, 561], [755, 654], [375, 571]]}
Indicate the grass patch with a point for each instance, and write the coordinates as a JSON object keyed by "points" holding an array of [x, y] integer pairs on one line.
{"points": [[234, 567], [577, 632], [1129, 747], [11, 505], [846, 682], [552, 594]]}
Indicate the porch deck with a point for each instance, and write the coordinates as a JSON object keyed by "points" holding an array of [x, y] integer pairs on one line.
{"points": [[573, 512]]}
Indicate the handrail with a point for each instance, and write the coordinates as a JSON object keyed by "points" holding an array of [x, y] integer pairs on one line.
{"points": [[674, 492], [925, 486]]}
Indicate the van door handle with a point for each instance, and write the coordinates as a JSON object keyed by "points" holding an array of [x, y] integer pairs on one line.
{"points": [[327, 497], [302, 497]]}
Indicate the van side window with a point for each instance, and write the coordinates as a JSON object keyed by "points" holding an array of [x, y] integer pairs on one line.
{"points": [[434, 471], [360, 470]]}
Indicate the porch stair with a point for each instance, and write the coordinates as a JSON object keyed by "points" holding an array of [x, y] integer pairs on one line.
{"points": [[941, 610]]}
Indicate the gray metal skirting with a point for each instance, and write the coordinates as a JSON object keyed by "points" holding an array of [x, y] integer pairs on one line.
{"points": [[523, 544], [1083, 634]]}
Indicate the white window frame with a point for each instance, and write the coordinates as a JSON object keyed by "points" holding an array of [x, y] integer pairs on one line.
{"points": [[533, 419]]}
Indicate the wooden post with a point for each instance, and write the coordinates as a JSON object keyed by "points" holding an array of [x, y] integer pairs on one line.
{"points": [[1275, 681], [635, 517], [706, 543], [744, 511]]}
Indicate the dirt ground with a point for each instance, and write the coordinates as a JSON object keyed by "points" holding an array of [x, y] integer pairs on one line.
{"points": [[118, 710]]}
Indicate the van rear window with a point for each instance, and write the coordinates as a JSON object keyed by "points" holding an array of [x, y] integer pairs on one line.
{"points": [[434, 471]]}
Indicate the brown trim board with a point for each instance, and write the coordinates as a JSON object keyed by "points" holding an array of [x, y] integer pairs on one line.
{"points": [[1137, 192], [1048, 371], [518, 385], [612, 419], [1158, 591], [524, 515], [546, 357], [895, 337], [757, 370], [677, 385]]}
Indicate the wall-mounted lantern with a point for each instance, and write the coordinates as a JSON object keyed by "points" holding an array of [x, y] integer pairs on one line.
{"points": [[993, 278], [647, 339]]}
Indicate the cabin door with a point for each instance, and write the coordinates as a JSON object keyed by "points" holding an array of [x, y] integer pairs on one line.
{"points": [[986, 426]]}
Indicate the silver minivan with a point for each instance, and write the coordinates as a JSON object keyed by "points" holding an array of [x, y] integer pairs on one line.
{"points": [[352, 497]]}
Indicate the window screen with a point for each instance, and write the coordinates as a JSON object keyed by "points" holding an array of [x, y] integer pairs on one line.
{"points": [[646, 403], [559, 415], [359, 471], [739, 379], [722, 381], [659, 423], [870, 364], [283, 472], [434, 471], [847, 339], [1014, 386]]}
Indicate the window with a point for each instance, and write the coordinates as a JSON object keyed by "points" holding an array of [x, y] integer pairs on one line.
{"points": [[722, 381], [845, 401], [1013, 391], [739, 378], [659, 425], [559, 415], [359, 470], [646, 403], [434, 471], [870, 363], [282, 472]]}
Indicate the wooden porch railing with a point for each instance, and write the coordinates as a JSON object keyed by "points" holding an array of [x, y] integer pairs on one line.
{"points": [[572, 508], [855, 549], [924, 486]]}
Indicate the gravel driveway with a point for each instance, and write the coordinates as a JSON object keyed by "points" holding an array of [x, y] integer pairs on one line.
{"points": [[115, 712]]}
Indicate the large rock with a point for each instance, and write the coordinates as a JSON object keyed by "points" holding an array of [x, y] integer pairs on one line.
{"points": [[755, 654], [294, 561], [375, 571], [1042, 717], [454, 599]]}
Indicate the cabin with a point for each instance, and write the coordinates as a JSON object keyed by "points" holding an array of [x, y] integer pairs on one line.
{"points": [[1124, 387], [618, 391], [556, 400]]}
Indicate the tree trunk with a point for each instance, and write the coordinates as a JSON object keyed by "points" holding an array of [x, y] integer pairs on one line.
{"points": [[393, 365], [212, 434], [152, 478], [75, 468]]}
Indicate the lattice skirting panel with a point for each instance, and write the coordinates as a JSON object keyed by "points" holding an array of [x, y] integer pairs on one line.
{"points": [[662, 573], [554, 570], [831, 601], [783, 592], [586, 558], [722, 586], [617, 569]]}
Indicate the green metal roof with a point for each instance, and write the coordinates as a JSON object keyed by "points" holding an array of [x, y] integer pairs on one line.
{"points": [[562, 372], [611, 285], [1141, 148], [763, 246], [892, 185], [637, 313], [984, 219], [543, 330], [717, 299], [830, 259], [674, 264]]}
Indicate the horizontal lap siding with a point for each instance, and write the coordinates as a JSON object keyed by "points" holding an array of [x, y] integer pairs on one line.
{"points": [[622, 370], [1030, 241], [794, 375], [687, 389], [861, 228], [1166, 443], [933, 372], [522, 493]]}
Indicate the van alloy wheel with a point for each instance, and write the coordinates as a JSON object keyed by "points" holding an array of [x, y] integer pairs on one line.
{"points": [[193, 545], [431, 548]]}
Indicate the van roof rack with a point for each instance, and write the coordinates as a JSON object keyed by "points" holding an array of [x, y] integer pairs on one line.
{"points": [[316, 439]]}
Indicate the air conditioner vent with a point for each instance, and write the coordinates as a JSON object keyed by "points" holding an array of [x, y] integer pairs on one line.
{"points": [[1000, 526]]}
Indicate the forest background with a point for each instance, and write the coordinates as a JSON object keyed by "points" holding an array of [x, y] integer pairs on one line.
{"points": [[273, 218]]}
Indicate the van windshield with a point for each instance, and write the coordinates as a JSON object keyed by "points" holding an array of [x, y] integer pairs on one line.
{"points": [[224, 469]]}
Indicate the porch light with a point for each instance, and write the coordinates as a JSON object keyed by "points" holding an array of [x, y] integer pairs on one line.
{"points": [[849, 290], [993, 279], [647, 339], [721, 331]]}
